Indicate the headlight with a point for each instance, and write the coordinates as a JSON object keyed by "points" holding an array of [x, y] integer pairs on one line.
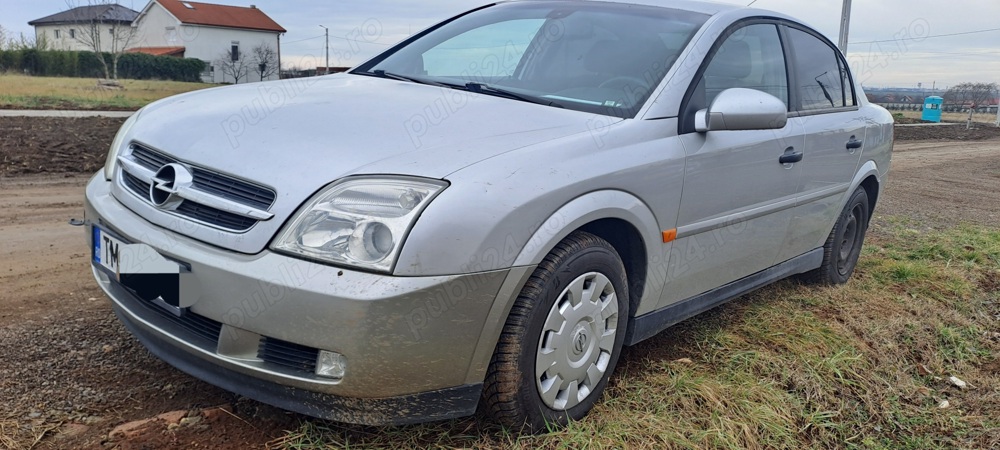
{"points": [[359, 222], [117, 144]]}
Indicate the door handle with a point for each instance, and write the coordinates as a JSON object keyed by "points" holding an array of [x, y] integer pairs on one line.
{"points": [[791, 156], [854, 143]]}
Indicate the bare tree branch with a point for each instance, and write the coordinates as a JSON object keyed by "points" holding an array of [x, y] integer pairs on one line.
{"points": [[119, 37], [971, 96], [265, 59], [233, 65]]}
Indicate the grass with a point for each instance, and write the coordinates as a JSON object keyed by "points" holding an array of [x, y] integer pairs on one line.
{"points": [[27, 92], [865, 365], [952, 117]]}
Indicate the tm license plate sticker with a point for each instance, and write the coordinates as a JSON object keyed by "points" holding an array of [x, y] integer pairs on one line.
{"points": [[107, 251]]}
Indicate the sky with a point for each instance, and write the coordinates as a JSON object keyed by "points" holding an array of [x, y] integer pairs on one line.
{"points": [[911, 51]]}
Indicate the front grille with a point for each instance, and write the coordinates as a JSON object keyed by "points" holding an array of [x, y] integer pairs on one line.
{"points": [[135, 184], [213, 216], [206, 331], [210, 182], [286, 354]]}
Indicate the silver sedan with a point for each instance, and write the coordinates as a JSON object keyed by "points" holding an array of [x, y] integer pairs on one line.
{"points": [[486, 213]]}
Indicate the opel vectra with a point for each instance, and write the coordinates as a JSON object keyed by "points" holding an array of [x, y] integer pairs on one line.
{"points": [[486, 213]]}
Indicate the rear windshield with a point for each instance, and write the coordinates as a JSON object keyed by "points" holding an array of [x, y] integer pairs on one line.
{"points": [[604, 58]]}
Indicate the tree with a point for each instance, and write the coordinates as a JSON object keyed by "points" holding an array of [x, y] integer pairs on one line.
{"points": [[971, 95], [265, 60], [110, 31], [8, 41], [233, 64]]}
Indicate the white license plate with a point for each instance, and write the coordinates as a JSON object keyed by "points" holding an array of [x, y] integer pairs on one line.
{"points": [[139, 267]]}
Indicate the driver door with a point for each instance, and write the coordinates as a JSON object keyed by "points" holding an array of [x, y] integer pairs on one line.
{"points": [[737, 200]]}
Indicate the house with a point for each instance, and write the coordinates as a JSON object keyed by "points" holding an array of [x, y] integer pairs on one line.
{"points": [[239, 44], [83, 28]]}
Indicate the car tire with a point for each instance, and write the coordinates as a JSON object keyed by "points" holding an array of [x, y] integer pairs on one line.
{"points": [[843, 246], [558, 349]]}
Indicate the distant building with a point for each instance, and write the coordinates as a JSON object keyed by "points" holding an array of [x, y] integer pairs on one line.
{"points": [[173, 28], [65, 30], [210, 33]]}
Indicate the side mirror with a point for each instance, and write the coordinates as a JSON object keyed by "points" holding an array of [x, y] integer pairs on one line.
{"points": [[742, 109]]}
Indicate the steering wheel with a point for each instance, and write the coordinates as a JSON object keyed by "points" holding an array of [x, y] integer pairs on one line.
{"points": [[624, 80]]}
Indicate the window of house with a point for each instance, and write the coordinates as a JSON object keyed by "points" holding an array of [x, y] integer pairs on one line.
{"points": [[111, 31], [209, 72], [58, 34], [72, 33], [235, 51]]}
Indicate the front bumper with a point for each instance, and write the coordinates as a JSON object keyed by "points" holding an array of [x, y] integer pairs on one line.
{"points": [[416, 348]]}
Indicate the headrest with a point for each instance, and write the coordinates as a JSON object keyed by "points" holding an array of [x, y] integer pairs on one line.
{"points": [[732, 61], [618, 57]]}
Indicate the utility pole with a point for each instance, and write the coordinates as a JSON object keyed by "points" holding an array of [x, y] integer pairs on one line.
{"points": [[998, 112], [845, 26], [326, 68]]}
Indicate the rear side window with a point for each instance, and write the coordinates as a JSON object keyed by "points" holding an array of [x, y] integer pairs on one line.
{"points": [[822, 80]]}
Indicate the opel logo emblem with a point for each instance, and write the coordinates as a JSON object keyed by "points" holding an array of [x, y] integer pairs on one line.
{"points": [[580, 342], [166, 185]]}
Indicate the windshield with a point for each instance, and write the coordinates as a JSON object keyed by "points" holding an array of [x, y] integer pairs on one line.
{"points": [[603, 58]]}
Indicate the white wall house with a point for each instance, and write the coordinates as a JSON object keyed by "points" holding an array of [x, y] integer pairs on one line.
{"points": [[222, 36], [86, 27]]}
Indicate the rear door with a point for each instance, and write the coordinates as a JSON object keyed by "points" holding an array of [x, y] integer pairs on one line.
{"points": [[826, 108], [737, 198]]}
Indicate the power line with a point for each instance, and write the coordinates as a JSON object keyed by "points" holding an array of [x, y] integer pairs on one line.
{"points": [[927, 37], [306, 39], [360, 41], [751, 3]]}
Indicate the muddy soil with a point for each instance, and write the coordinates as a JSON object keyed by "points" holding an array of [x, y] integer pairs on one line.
{"points": [[32, 145], [71, 373]]}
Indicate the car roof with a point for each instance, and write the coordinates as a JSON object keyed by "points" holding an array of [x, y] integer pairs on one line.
{"points": [[710, 8]]}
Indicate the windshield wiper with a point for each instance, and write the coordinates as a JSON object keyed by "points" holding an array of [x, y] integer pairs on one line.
{"points": [[483, 88], [395, 76]]}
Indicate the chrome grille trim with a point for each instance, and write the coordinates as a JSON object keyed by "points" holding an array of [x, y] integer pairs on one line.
{"points": [[212, 199]]}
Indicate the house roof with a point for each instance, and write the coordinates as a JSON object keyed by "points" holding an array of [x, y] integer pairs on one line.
{"points": [[195, 13], [159, 51], [87, 14]]}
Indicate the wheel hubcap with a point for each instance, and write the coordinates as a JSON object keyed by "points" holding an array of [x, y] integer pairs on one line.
{"points": [[577, 341]]}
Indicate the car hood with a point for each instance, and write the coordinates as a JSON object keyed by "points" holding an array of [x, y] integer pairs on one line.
{"points": [[315, 130], [299, 135]]}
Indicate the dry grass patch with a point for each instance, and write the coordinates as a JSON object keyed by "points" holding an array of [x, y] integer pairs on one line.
{"points": [[26, 92], [953, 116], [866, 365]]}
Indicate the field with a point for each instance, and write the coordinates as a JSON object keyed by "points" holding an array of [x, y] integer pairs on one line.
{"points": [[867, 365], [25, 92], [985, 119]]}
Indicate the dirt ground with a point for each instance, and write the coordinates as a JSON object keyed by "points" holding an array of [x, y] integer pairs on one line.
{"points": [[31, 145], [71, 373]]}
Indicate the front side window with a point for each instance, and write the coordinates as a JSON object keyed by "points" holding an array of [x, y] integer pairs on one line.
{"points": [[596, 57], [72, 33], [821, 75], [58, 34], [750, 58]]}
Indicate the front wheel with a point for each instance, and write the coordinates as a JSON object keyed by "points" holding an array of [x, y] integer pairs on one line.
{"points": [[562, 338], [843, 246]]}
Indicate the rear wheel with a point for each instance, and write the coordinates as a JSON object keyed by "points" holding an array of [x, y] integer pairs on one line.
{"points": [[843, 246], [562, 338]]}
